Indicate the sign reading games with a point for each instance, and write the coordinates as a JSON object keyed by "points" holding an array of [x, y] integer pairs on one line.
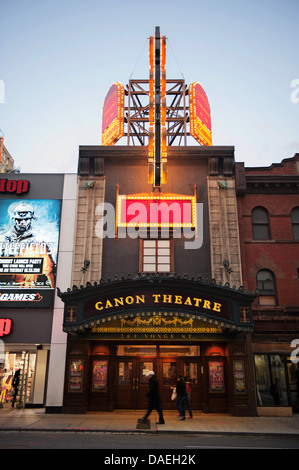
{"points": [[113, 115]]}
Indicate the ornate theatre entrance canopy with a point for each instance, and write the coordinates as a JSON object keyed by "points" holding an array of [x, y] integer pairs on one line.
{"points": [[156, 306]]}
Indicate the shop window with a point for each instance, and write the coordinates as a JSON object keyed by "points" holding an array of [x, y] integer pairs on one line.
{"points": [[156, 256], [293, 376], [20, 364], [260, 224], [295, 222], [266, 287], [270, 380]]}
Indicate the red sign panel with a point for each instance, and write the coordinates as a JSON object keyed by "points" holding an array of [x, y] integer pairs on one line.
{"points": [[113, 115], [156, 211], [5, 326], [200, 116], [14, 186]]}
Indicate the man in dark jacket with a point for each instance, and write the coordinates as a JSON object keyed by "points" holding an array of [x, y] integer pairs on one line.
{"points": [[181, 397], [154, 400]]}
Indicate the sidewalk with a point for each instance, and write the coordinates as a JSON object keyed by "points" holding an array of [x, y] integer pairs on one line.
{"points": [[123, 421]]}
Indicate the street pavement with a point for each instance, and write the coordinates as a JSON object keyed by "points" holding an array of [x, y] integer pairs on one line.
{"points": [[125, 421]]}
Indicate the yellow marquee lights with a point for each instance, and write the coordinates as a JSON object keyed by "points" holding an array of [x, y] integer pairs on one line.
{"points": [[152, 109], [121, 215], [163, 112], [113, 115], [151, 137], [200, 118]]}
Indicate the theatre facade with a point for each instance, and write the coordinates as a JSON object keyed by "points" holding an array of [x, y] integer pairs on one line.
{"points": [[156, 275], [162, 298]]}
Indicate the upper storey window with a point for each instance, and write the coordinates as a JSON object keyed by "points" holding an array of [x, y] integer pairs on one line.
{"points": [[295, 222], [156, 256], [260, 224], [266, 286]]}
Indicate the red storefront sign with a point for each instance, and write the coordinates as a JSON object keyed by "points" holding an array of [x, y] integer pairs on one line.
{"points": [[5, 326], [14, 186]]}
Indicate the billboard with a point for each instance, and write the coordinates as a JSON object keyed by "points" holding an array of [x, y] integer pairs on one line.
{"points": [[29, 234], [200, 116], [113, 115], [167, 210]]}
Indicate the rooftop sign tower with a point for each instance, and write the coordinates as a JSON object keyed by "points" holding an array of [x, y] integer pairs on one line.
{"points": [[156, 112]]}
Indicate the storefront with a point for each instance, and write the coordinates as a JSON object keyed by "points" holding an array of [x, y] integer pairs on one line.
{"points": [[30, 233], [119, 330], [24, 358]]}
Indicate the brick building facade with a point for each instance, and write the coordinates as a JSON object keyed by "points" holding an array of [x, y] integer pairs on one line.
{"points": [[268, 207]]}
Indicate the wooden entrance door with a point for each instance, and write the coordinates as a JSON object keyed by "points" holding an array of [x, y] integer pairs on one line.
{"points": [[131, 381], [170, 369], [168, 379], [190, 370]]}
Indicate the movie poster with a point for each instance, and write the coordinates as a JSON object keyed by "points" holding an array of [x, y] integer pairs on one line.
{"points": [[29, 234]]}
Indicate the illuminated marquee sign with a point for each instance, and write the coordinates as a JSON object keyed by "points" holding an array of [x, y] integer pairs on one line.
{"points": [[168, 210], [160, 298], [200, 116], [5, 326], [113, 115], [157, 146]]}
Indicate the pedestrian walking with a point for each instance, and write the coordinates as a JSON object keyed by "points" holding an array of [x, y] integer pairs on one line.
{"points": [[154, 400], [188, 398], [15, 386], [181, 397]]}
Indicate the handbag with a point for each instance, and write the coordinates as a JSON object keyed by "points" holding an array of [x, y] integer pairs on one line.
{"points": [[174, 394]]}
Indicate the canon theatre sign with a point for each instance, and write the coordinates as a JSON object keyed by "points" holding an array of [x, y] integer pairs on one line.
{"points": [[166, 299], [14, 186]]}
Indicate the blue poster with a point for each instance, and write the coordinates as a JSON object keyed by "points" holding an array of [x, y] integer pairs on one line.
{"points": [[29, 235]]}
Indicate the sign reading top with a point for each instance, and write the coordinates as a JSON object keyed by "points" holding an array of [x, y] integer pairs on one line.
{"points": [[113, 115], [200, 116]]}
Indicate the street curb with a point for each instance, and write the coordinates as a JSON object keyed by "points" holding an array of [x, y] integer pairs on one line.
{"points": [[155, 432]]}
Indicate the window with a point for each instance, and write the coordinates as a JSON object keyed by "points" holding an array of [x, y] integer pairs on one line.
{"points": [[266, 287], [271, 380], [295, 222], [260, 224], [156, 256]]}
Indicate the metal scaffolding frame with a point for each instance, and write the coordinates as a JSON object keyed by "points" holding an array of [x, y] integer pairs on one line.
{"points": [[137, 112]]}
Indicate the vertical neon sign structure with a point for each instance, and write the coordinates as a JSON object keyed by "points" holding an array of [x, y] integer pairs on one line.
{"points": [[157, 152]]}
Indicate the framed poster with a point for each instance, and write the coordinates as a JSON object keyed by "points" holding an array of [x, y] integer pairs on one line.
{"points": [[76, 370], [99, 375], [239, 377], [29, 234], [216, 376]]}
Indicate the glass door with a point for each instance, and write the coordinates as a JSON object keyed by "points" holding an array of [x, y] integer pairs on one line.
{"points": [[168, 373], [126, 383], [132, 382], [145, 365], [190, 371]]}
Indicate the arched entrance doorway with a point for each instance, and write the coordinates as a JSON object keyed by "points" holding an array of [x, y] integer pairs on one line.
{"points": [[119, 331]]}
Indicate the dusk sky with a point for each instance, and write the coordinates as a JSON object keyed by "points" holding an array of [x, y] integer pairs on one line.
{"points": [[59, 58]]}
